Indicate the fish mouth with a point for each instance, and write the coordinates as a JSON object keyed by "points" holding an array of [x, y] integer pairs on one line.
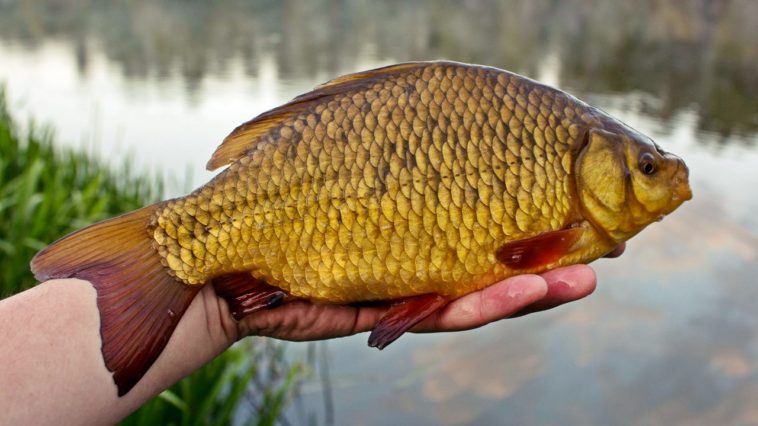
{"points": [[682, 191]]}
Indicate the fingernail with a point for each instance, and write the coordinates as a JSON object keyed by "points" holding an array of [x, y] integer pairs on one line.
{"points": [[563, 284]]}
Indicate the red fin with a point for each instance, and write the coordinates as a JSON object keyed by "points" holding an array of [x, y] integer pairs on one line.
{"points": [[402, 316], [246, 294], [139, 302], [538, 251]]}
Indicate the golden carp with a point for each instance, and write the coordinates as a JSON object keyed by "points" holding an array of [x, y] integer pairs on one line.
{"points": [[419, 181]]}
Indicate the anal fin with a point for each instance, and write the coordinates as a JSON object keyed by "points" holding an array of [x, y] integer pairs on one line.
{"points": [[246, 294], [402, 316]]}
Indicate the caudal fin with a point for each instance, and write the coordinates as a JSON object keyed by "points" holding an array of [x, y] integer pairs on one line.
{"points": [[139, 302]]}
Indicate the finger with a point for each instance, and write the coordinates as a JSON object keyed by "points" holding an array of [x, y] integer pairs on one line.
{"points": [[618, 251], [564, 285], [495, 302], [302, 320]]}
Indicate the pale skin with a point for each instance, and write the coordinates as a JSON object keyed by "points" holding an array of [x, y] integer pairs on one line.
{"points": [[52, 371]]}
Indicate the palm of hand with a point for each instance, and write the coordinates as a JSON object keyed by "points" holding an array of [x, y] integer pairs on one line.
{"points": [[302, 320]]}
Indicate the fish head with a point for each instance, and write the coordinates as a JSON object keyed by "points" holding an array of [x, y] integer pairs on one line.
{"points": [[625, 181]]}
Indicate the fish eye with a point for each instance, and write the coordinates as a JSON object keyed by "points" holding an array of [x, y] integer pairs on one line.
{"points": [[647, 163]]}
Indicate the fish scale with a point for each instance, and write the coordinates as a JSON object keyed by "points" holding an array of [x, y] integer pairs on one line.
{"points": [[406, 186]]}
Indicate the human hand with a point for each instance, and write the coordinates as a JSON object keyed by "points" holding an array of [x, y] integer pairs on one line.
{"points": [[301, 320], [55, 323]]}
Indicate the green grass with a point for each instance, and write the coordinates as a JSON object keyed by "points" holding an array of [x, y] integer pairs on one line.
{"points": [[47, 192], [250, 384]]}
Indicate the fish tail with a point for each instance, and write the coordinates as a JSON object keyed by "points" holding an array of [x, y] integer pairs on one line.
{"points": [[139, 302]]}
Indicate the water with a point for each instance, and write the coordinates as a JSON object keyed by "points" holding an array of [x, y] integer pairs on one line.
{"points": [[669, 337]]}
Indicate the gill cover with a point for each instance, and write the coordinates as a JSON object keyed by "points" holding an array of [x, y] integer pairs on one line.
{"points": [[602, 170], [602, 177]]}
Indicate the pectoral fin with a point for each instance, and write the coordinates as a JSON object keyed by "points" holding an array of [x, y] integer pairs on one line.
{"points": [[541, 250], [402, 316]]}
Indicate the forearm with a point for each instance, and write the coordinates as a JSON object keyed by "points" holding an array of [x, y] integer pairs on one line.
{"points": [[52, 370]]}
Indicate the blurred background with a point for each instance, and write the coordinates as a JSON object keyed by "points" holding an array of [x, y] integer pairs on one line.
{"points": [[671, 334]]}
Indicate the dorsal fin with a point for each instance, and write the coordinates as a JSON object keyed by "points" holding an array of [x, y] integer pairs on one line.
{"points": [[248, 134], [373, 74]]}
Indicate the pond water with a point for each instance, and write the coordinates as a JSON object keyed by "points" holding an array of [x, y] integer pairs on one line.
{"points": [[671, 334]]}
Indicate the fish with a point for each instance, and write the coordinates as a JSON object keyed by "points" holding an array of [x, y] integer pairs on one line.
{"points": [[409, 185]]}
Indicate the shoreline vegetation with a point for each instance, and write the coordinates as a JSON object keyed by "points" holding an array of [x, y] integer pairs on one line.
{"points": [[45, 193]]}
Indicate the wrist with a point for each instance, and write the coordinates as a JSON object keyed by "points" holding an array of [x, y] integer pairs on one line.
{"points": [[215, 319]]}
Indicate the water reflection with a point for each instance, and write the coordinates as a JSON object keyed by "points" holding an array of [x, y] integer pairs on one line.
{"points": [[694, 52], [670, 336]]}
